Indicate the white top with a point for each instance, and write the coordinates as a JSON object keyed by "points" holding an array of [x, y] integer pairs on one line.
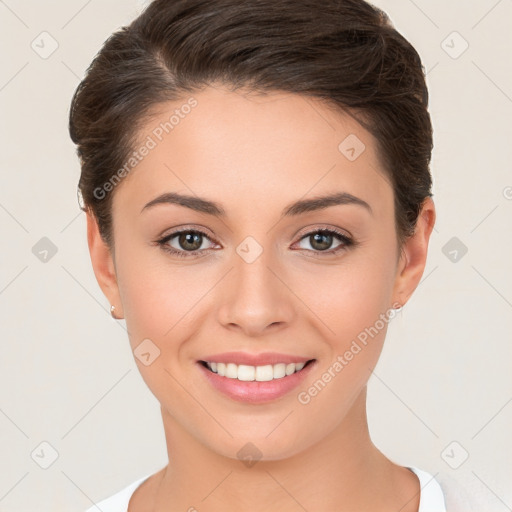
{"points": [[431, 496]]}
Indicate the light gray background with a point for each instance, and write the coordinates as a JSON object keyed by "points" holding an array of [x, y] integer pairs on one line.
{"points": [[68, 376]]}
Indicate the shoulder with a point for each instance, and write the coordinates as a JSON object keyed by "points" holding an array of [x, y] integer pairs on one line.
{"points": [[466, 493], [460, 492], [118, 502], [432, 497]]}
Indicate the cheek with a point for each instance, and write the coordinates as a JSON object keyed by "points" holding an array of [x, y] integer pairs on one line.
{"points": [[158, 298], [158, 307], [351, 296], [357, 311], [353, 301]]}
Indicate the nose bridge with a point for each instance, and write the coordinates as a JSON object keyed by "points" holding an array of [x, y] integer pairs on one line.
{"points": [[255, 297], [255, 283], [252, 262]]}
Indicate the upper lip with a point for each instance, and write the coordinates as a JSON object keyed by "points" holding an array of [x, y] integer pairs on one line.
{"points": [[248, 359]]}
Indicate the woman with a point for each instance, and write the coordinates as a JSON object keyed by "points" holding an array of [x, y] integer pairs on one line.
{"points": [[258, 197]]}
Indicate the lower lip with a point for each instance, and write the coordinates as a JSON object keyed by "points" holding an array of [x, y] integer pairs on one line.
{"points": [[256, 392]]}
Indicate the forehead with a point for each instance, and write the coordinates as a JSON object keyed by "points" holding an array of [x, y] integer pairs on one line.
{"points": [[255, 149]]}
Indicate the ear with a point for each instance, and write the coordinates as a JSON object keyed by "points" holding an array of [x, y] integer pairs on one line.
{"points": [[414, 254], [103, 264]]}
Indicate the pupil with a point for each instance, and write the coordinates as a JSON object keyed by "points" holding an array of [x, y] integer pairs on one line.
{"points": [[319, 238], [188, 239]]}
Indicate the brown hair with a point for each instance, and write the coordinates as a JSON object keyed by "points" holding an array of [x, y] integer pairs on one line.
{"points": [[345, 52]]}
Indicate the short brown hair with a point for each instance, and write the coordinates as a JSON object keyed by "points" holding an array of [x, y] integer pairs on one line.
{"points": [[345, 52]]}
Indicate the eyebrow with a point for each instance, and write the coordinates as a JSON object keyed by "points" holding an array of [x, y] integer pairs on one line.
{"points": [[201, 205]]}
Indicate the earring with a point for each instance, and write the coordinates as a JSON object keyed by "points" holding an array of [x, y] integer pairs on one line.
{"points": [[112, 309]]}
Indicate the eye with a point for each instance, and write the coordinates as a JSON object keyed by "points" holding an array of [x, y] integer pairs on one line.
{"points": [[190, 242], [184, 243], [321, 241]]}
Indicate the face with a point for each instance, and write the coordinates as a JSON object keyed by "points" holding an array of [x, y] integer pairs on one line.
{"points": [[236, 274]]}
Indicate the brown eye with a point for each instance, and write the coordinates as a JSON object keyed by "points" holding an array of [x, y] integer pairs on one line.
{"points": [[321, 241], [190, 240], [185, 243]]}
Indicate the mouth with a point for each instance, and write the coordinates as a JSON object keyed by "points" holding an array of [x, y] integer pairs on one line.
{"points": [[274, 376], [249, 373]]}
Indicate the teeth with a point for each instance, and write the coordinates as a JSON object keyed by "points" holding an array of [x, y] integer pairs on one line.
{"points": [[258, 373], [231, 371]]}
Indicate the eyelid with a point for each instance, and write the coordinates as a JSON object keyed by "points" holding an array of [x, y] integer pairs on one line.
{"points": [[187, 229], [308, 230], [345, 238], [164, 239]]}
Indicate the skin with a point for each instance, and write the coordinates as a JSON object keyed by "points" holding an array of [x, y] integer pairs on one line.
{"points": [[255, 154]]}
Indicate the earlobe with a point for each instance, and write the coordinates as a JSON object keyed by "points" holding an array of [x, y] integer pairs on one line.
{"points": [[414, 256], [103, 264]]}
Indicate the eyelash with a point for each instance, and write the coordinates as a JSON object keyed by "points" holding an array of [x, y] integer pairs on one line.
{"points": [[347, 242]]}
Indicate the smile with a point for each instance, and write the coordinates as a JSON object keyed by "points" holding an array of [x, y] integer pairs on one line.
{"points": [[255, 378], [247, 373]]}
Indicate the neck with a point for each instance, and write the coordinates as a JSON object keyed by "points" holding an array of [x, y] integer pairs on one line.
{"points": [[343, 471]]}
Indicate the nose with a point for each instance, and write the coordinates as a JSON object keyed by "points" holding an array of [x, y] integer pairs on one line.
{"points": [[255, 296]]}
